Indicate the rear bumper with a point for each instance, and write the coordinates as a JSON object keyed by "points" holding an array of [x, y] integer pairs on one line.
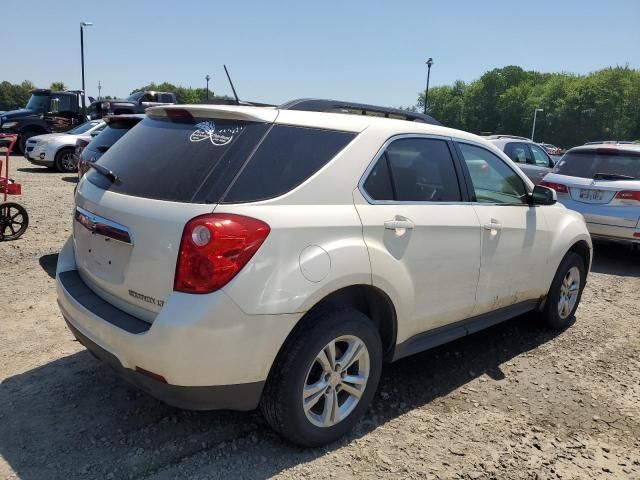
{"points": [[211, 354], [609, 232], [617, 223], [237, 397]]}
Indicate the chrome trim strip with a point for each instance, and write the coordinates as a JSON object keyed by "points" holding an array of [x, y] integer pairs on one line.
{"points": [[98, 225]]}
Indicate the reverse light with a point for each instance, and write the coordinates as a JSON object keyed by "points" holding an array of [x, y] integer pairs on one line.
{"points": [[558, 187], [214, 248]]}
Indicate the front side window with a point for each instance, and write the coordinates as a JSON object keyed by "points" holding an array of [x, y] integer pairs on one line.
{"points": [[493, 180], [539, 157], [414, 170]]}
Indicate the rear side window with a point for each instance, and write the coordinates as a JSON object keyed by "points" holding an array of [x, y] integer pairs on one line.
{"points": [[414, 170], [587, 164], [516, 152], [287, 157]]}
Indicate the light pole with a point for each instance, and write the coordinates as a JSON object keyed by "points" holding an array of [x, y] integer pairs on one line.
{"points": [[429, 62], [535, 115], [99, 90], [207, 78], [82, 25]]}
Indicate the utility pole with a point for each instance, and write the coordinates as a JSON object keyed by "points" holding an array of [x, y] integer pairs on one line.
{"points": [[535, 115], [84, 102], [207, 78], [426, 92]]}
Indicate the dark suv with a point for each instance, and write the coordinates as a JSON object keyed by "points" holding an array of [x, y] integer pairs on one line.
{"points": [[117, 126]]}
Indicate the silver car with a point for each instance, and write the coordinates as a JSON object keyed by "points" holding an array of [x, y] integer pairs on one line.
{"points": [[532, 159], [601, 181], [56, 150]]}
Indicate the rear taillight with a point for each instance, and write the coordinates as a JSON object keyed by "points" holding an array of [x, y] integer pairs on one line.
{"points": [[629, 197], [214, 248], [558, 187]]}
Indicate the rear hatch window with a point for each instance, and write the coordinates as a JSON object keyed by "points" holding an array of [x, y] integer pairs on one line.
{"points": [[604, 164], [215, 160]]}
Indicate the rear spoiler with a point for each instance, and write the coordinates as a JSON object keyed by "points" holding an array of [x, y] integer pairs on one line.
{"points": [[229, 112]]}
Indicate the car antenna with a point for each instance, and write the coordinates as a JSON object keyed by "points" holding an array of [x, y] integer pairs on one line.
{"points": [[231, 83]]}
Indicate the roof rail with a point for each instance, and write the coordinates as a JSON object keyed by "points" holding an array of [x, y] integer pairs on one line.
{"points": [[337, 106], [495, 137]]}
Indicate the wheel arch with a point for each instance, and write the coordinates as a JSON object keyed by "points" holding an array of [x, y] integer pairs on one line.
{"points": [[582, 248], [367, 299]]}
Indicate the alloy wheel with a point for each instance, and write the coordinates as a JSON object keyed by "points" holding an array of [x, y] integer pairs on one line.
{"points": [[569, 290], [336, 381]]}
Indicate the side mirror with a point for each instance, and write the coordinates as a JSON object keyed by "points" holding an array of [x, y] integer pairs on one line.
{"points": [[543, 196]]}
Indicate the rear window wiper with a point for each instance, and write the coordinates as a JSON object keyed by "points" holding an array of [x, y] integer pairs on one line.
{"points": [[103, 171], [612, 176]]}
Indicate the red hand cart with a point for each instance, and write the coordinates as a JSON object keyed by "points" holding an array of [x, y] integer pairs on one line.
{"points": [[13, 216]]}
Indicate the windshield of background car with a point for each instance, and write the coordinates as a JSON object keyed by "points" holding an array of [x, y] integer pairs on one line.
{"points": [[586, 163], [85, 127], [38, 103], [213, 160], [135, 96]]}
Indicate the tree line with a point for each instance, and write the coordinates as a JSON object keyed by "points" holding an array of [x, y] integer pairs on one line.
{"points": [[15, 96], [603, 105]]}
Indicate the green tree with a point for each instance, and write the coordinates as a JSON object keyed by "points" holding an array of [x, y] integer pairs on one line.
{"points": [[599, 106], [60, 86]]}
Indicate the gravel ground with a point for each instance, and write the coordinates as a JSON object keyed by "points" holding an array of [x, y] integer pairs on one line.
{"points": [[510, 402]]}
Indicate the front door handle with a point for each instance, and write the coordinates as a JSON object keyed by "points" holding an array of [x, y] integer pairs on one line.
{"points": [[493, 225], [398, 224]]}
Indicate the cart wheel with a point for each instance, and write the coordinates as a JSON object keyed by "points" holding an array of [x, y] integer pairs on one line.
{"points": [[13, 221]]}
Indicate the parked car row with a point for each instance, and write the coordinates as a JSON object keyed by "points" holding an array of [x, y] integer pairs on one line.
{"points": [[50, 111], [236, 257]]}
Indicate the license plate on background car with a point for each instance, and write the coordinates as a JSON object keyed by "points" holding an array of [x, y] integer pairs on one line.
{"points": [[589, 194]]}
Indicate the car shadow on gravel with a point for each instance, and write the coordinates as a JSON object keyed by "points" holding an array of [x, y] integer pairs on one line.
{"points": [[48, 263], [616, 259], [70, 179], [74, 418], [36, 170]]}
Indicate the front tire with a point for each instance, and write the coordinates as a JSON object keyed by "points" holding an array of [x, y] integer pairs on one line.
{"points": [[65, 161], [324, 378], [565, 292]]}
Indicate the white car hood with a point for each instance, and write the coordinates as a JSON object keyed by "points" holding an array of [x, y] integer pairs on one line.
{"points": [[46, 136]]}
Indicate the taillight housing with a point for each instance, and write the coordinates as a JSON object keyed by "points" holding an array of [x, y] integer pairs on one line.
{"points": [[628, 197], [214, 248], [558, 187]]}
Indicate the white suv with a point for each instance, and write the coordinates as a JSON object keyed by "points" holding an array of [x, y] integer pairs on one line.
{"points": [[230, 257]]}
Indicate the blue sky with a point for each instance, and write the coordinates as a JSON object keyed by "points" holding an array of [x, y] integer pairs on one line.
{"points": [[368, 51]]}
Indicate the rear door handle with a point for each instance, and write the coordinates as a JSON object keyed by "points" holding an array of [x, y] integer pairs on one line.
{"points": [[493, 225], [398, 224]]}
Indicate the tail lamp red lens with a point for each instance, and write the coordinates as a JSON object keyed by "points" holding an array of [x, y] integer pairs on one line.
{"points": [[214, 248], [558, 187], [629, 195]]}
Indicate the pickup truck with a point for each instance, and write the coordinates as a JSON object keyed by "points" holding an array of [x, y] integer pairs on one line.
{"points": [[46, 111], [137, 102]]}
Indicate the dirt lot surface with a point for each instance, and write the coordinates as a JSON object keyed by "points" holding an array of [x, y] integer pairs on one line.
{"points": [[510, 402]]}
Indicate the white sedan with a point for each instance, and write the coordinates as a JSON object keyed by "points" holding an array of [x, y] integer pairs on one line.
{"points": [[56, 150]]}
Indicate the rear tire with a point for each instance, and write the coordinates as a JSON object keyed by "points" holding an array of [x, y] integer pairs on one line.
{"points": [[310, 398], [565, 292], [65, 161]]}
